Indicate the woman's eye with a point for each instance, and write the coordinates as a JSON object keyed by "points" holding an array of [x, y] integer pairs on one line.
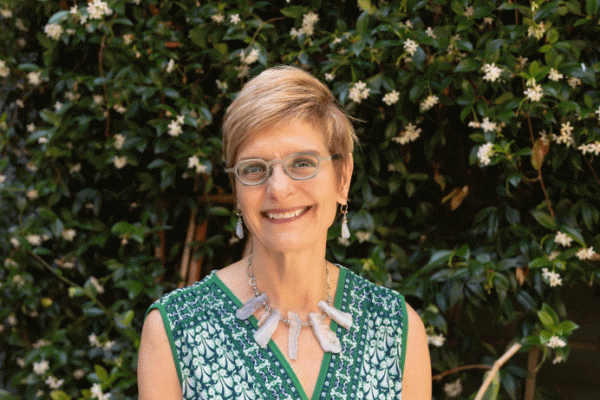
{"points": [[304, 163], [253, 169]]}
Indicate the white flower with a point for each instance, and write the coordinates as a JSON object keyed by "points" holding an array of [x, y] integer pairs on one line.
{"points": [[93, 339], [10, 263], [359, 91], [534, 93], [139, 1], [565, 134], [119, 141], [469, 11], [410, 46], [31, 167], [32, 194], [555, 75], [57, 106], [556, 342], [537, 31], [4, 70], [98, 9], [128, 38], [31, 127], [97, 284], [69, 234], [343, 241], [170, 66], [78, 374], [430, 33], [492, 73], [75, 168], [488, 21], [251, 58], [74, 11], [97, 393], [54, 383], [329, 77], [598, 112], [53, 31], [235, 19], [558, 359], [308, 23], [436, 340], [391, 97], [15, 242], [409, 134], [222, 86], [552, 256], [429, 102], [574, 82], [553, 278], [6, 13], [41, 367], [120, 162], [11, 320], [485, 152], [175, 128], [474, 124], [488, 126], [218, 18], [34, 77], [34, 240], [194, 162], [453, 389], [180, 119], [363, 236], [98, 99], [563, 239], [590, 148], [2, 178], [585, 254]]}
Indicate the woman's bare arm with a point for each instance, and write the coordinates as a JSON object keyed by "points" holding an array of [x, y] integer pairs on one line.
{"points": [[157, 375], [416, 382]]}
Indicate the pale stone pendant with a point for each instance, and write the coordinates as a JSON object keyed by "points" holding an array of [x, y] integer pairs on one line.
{"points": [[293, 334], [268, 328], [263, 318], [342, 318], [327, 339], [251, 306], [345, 230]]}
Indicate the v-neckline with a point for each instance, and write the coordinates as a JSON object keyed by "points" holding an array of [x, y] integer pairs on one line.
{"points": [[275, 349]]}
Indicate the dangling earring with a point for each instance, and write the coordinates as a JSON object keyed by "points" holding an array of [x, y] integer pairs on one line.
{"points": [[345, 229], [239, 229]]}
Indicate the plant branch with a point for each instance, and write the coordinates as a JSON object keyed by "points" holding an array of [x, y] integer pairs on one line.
{"points": [[591, 168], [440, 376], [495, 368], [44, 264], [101, 69]]}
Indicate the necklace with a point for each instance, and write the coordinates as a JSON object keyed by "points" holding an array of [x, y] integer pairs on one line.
{"points": [[269, 321]]}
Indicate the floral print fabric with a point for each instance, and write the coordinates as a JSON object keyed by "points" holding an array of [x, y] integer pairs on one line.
{"points": [[217, 358]]}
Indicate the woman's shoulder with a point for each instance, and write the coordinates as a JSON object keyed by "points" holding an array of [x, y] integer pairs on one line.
{"points": [[186, 295]]}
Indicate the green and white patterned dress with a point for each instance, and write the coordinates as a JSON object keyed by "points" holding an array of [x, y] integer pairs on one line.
{"points": [[217, 358]]}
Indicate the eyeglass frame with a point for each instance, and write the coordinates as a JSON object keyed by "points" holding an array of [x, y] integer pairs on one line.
{"points": [[269, 164]]}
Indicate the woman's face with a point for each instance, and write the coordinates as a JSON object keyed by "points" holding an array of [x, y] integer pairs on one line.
{"points": [[286, 214]]}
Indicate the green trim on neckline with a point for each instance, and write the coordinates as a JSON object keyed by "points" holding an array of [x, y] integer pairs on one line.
{"points": [[404, 336], [275, 350]]}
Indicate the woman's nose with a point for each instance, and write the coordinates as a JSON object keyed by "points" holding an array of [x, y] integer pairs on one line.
{"points": [[279, 183]]}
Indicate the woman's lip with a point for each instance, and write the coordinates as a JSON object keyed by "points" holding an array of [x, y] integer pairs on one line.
{"points": [[285, 215]]}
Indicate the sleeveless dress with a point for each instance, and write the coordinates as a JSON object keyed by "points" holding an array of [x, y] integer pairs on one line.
{"points": [[217, 358]]}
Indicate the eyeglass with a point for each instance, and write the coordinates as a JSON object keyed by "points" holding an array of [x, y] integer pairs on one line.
{"points": [[298, 166]]}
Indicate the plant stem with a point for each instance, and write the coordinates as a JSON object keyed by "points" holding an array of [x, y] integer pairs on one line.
{"points": [[439, 377], [495, 368]]}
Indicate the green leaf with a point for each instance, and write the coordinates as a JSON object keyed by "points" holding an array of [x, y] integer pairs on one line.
{"points": [[548, 316], [367, 6], [49, 117], [362, 25], [101, 373], [59, 395], [592, 7], [466, 65], [544, 219], [294, 11]]}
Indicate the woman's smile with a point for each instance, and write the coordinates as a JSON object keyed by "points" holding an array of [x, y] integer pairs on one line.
{"points": [[285, 215]]}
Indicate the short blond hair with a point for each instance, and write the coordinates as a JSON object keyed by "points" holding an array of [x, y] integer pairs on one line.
{"points": [[282, 94]]}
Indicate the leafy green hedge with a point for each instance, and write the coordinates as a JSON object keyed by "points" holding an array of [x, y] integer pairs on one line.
{"points": [[476, 190]]}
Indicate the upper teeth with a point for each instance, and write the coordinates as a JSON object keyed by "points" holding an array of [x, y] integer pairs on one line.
{"points": [[290, 214]]}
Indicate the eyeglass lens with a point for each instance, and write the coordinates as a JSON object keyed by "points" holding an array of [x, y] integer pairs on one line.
{"points": [[297, 166]]}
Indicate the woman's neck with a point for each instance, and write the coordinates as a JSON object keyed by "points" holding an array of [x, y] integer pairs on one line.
{"points": [[293, 282]]}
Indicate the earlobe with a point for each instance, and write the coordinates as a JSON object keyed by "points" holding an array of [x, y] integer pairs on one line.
{"points": [[346, 178]]}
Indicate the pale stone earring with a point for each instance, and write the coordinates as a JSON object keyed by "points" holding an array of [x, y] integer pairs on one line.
{"points": [[345, 229], [239, 228]]}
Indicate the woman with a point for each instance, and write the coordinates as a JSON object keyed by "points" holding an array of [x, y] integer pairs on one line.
{"points": [[324, 332]]}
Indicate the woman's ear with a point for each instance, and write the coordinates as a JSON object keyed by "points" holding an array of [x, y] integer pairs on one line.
{"points": [[345, 178]]}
